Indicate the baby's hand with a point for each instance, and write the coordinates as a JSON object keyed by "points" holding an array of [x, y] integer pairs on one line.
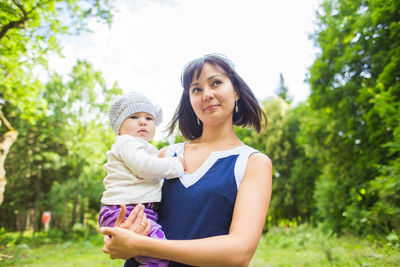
{"points": [[183, 163]]}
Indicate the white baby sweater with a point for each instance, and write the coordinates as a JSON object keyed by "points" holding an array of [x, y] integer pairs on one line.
{"points": [[130, 158]]}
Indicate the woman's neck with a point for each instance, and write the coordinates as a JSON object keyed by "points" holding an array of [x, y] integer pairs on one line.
{"points": [[221, 135]]}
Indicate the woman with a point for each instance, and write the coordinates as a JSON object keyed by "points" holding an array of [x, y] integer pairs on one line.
{"points": [[215, 213]]}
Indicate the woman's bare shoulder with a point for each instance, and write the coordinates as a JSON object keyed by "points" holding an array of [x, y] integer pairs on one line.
{"points": [[258, 159]]}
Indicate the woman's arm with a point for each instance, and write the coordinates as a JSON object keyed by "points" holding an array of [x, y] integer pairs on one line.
{"points": [[233, 249]]}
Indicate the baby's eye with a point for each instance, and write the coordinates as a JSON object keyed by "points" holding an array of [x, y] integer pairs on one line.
{"points": [[149, 118], [134, 117]]}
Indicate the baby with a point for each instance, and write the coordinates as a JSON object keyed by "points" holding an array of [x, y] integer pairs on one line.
{"points": [[133, 168]]}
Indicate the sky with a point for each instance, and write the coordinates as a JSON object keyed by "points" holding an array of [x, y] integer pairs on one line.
{"points": [[150, 42]]}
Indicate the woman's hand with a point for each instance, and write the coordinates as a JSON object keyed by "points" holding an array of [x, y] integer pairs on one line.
{"points": [[136, 222], [118, 242]]}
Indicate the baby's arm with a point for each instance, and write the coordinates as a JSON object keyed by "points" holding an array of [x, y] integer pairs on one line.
{"points": [[133, 154], [161, 154]]}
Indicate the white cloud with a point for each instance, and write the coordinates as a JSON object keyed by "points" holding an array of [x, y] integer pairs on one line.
{"points": [[149, 43]]}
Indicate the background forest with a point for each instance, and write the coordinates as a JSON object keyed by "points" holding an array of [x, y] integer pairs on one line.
{"points": [[336, 155]]}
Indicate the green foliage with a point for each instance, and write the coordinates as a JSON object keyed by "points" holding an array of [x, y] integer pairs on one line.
{"points": [[14, 239], [29, 31], [336, 157], [283, 91], [57, 163], [60, 124], [355, 94], [294, 172], [159, 144]]}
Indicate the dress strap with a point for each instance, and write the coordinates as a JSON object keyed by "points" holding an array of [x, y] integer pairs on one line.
{"points": [[241, 163], [243, 152]]}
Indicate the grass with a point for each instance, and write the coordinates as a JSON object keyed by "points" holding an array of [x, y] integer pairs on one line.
{"points": [[297, 246], [68, 253], [308, 246]]}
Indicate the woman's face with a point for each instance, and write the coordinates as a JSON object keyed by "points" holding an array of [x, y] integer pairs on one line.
{"points": [[212, 95]]}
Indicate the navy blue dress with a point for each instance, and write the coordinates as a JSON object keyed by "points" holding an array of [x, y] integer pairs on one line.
{"points": [[201, 204]]}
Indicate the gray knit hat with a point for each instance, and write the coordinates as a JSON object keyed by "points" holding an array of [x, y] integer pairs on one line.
{"points": [[125, 105]]}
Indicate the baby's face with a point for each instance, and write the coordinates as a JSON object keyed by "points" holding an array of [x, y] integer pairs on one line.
{"points": [[139, 124]]}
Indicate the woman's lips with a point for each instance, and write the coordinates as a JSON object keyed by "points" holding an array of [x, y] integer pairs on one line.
{"points": [[211, 108]]}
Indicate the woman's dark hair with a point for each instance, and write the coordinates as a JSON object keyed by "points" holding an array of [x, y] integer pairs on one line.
{"points": [[250, 113]]}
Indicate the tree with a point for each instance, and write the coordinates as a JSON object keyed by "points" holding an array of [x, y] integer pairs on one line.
{"points": [[5, 143], [355, 94], [283, 91], [57, 164], [28, 32], [294, 171]]}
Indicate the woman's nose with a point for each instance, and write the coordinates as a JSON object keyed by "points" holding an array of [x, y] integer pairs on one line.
{"points": [[207, 93]]}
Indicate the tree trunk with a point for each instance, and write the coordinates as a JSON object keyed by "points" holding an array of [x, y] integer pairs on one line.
{"points": [[7, 140], [73, 217]]}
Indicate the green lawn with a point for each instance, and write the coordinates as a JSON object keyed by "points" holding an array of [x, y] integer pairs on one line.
{"points": [[298, 246], [69, 253], [307, 246]]}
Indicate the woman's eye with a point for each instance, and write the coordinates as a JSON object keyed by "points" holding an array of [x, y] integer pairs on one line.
{"points": [[196, 90], [134, 117], [216, 82], [149, 118]]}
